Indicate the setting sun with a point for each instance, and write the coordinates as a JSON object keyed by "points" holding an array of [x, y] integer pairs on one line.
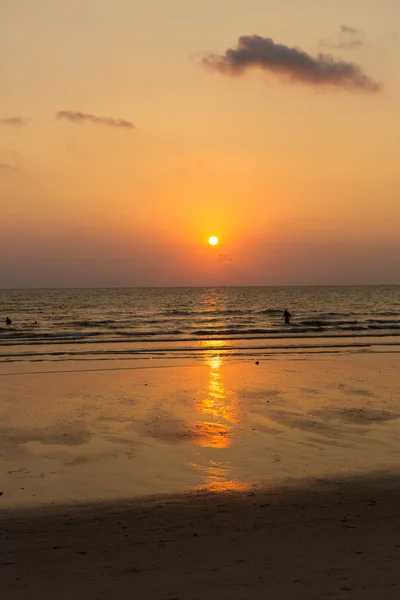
{"points": [[213, 240]]}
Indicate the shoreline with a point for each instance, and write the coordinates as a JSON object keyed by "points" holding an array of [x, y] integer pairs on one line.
{"points": [[340, 484]]}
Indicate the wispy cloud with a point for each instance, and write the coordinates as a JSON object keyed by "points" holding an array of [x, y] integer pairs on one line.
{"points": [[337, 45], [81, 118], [347, 38], [225, 259], [350, 30], [8, 167], [294, 64], [13, 121]]}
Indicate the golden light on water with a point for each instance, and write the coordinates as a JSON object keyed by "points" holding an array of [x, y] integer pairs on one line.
{"points": [[213, 240]]}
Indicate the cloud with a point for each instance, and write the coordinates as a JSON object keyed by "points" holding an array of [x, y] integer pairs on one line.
{"points": [[225, 259], [79, 117], [347, 38], [337, 45], [293, 63], [13, 121], [7, 167], [351, 30], [391, 36]]}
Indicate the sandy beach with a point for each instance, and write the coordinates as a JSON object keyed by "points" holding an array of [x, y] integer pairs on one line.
{"points": [[218, 479], [332, 539]]}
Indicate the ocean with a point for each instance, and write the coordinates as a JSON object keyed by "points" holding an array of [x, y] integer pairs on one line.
{"points": [[83, 324]]}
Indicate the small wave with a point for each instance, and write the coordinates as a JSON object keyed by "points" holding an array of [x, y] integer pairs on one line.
{"points": [[324, 323], [33, 337], [147, 333], [271, 311], [91, 323], [154, 321], [239, 331], [177, 313], [379, 327], [383, 321], [205, 313]]}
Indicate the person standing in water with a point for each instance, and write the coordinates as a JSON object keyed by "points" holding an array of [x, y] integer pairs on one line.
{"points": [[287, 316], [8, 321]]}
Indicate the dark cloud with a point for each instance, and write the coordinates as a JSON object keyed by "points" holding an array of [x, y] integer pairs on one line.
{"points": [[13, 121], [296, 65], [79, 117]]}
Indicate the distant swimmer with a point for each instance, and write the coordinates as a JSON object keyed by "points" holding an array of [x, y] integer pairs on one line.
{"points": [[8, 321], [287, 316]]}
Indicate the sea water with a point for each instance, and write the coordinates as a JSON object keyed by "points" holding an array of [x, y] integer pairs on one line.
{"points": [[83, 324]]}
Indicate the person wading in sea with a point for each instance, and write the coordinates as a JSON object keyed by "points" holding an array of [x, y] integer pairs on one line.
{"points": [[287, 316]]}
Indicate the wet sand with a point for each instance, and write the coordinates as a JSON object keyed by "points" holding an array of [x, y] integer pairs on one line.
{"points": [[191, 481], [90, 432]]}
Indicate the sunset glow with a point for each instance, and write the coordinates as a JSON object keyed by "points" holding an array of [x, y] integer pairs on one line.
{"points": [[277, 126]]}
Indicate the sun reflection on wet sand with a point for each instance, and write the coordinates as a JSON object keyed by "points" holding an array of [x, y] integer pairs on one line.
{"points": [[216, 431], [217, 478], [219, 405], [213, 435]]}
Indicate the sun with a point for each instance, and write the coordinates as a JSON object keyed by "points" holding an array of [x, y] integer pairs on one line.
{"points": [[213, 240]]}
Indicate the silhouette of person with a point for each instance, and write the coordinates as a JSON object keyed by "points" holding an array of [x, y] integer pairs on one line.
{"points": [[287, 316], [8, 321]]}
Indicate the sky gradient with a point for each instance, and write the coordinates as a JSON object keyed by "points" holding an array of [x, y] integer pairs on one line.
{"points": [[131, 131]]}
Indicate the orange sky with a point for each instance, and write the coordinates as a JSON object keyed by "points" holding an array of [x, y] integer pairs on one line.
{"points": [[131, 131]]}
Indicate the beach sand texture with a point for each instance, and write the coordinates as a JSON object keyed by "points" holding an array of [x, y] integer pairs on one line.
{"points": [[277, 479]]}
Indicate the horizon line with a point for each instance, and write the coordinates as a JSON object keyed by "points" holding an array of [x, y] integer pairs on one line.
{"points": [[148, 287]]}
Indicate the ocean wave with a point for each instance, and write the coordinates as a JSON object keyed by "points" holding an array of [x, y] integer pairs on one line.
{"points": [[334, 345], [363, 338], [93, 323], [296, 329], [379, 327], [306, 328], [205, 313], [177, 313], [144, 334], [271, 311], [142, 318], [324, 323], [383, 321]]}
